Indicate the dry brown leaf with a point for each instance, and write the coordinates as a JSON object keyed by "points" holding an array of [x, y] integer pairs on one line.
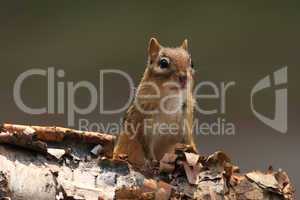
{"points": [[192, 158]]}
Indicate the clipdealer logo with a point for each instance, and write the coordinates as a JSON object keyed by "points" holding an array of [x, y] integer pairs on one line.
{"points": [[279, 123], [279, 77]]}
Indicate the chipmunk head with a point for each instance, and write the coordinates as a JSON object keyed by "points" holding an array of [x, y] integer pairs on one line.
{"points": [[170, 64]]}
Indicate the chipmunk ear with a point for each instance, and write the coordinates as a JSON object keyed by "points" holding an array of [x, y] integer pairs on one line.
{"points": [[184, 45], [153, 49]]}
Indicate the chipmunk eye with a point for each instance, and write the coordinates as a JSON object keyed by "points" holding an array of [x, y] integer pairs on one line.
{"points": [[163, 63]]}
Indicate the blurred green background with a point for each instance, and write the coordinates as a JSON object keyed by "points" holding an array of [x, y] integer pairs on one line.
{"points": [[241, 41]]}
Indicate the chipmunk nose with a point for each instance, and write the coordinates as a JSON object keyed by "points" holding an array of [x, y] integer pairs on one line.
{"points": [[182, 77], [182, 80]]}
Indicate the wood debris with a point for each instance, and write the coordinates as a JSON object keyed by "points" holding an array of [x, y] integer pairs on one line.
{"points": [[57, 153], [48, 166], [97, 150], [58, 134], [37, 137]]}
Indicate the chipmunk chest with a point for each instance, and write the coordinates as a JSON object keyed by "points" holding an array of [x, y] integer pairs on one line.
{"points": [[171, 115], [172, 105]]}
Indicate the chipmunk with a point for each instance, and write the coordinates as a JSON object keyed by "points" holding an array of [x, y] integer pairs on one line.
{"points": [[163, 99]]}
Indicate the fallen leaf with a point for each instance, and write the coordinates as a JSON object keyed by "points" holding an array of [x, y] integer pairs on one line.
{"points": [[191, 158], [263, 180], [191, 172]]}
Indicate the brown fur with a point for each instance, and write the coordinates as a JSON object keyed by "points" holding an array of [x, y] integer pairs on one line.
{"points": [[137, 142]]}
